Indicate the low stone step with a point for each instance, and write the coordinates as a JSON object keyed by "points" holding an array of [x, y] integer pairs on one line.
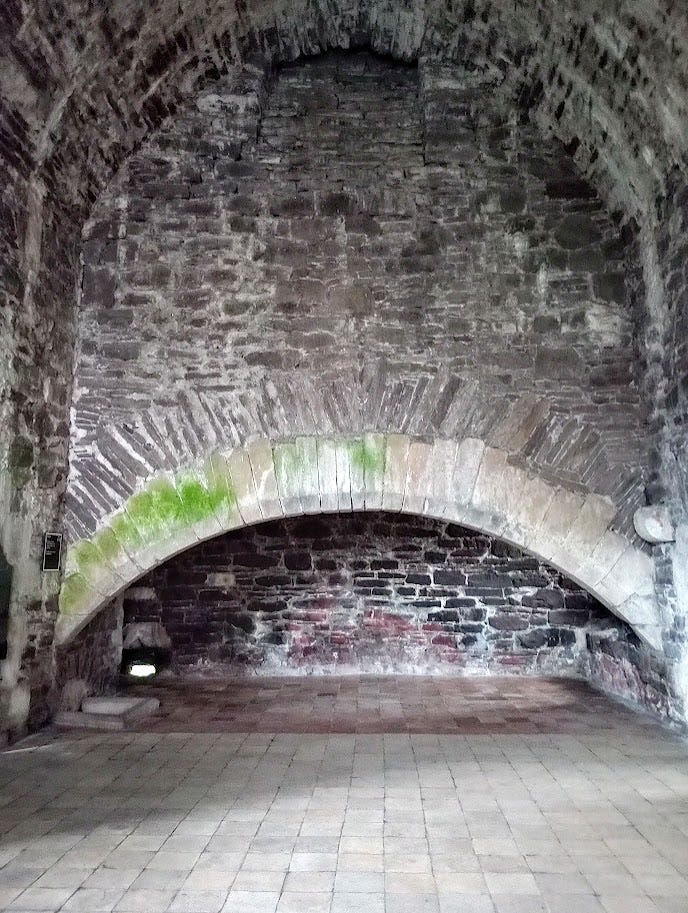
{"points": [[113, 713]]}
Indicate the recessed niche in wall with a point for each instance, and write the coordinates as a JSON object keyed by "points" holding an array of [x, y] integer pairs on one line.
{"points": [[366, 593]]}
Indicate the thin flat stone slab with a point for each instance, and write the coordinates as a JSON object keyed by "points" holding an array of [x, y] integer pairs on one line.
{"points": [[110, 705], [113, 713]]}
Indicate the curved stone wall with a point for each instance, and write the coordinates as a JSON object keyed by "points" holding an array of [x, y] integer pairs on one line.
{"points": [[464, 482]]}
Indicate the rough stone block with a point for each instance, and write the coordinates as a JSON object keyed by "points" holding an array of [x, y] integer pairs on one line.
{"points": [[557, 523], [263, 468], [375, 454], [418, 476], [396, 468], [468, 459], [327, 474], [288, 470], [343, 461], [306, 448], [244, 488], [357, 461]]}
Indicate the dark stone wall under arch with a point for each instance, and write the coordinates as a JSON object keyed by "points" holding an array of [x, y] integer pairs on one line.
{"points": [[368, 593]]}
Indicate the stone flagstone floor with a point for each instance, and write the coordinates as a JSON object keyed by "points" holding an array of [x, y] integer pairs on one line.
{"points": [[587, 813]]}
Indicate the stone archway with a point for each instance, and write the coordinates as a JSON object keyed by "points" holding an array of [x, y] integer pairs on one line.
{"points": [[466, 482]]}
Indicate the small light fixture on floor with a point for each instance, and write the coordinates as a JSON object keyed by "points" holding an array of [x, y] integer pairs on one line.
{"points": [[141, 670]]}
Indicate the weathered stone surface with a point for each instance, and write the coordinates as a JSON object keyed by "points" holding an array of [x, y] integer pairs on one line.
{"points": [[263, 336], [364, 592], [654, 524], [172, 513]]}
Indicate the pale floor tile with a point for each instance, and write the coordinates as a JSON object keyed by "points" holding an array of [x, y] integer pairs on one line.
{"points": [[411, 903], [211, 879], [258, 881], [346, 902], [198, 902], [463, 903], [563, 883], [360, 862], [621, 903], [460, 883], [370, 845], [47, 899], [504, 864], [111, 879], [144, 901], [309, 882], [15, 876], [552, 865], [520, 903], [173, 861], [397, 862], [671, 904], [247, 823], [304, 903], [359, 882], [251, 902], [219, 862], [573, 903], [455, 862], [59, 877], [91, 900], [269, 862], [510, 883], [663, 885], [316, 845], [409, 883], [160, 880]]}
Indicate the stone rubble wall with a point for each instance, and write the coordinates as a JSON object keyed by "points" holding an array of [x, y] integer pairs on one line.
{"points": [[357, 246], [372, 593], [93, 657]]}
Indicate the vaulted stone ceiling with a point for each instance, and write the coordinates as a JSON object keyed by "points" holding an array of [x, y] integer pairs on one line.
{"points": [[83, 83]]}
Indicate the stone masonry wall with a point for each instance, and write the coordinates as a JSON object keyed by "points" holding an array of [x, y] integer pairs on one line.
{"points": [[80, 85], [94, 657], [368, 593], [356, 245]]}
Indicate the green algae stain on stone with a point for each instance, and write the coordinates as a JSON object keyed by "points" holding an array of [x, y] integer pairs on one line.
{"points": [[149, 515], [155, 510], [196, 501], [124, 530], [88, 558], [367, 456], [108, 544], [221, 494], [73, 593]]}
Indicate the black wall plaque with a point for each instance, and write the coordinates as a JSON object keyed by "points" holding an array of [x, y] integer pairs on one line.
{"points": [[52, 549], [5, 593]]}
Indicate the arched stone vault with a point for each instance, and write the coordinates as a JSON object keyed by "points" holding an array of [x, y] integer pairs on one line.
{"points": [[609, 74], [82, 87], [465, 482]]}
